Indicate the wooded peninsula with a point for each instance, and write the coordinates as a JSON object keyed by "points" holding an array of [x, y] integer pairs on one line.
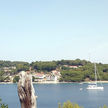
{"points": [[69, 70]]}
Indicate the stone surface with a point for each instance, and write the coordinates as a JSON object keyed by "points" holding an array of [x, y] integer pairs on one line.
{"points": [[26, 91]]}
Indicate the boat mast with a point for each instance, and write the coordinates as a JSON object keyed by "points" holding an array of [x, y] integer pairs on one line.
{"points": [[95, 73]]}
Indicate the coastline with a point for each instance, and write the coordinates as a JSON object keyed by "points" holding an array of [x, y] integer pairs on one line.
{"points": [[97, 82], [6, 83], [57, 82]]}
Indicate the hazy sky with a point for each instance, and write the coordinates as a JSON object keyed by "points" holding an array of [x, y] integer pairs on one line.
{"points": [[33, 30]]}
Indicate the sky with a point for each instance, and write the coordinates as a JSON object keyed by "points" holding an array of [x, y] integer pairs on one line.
{"points": [[46, 30]]}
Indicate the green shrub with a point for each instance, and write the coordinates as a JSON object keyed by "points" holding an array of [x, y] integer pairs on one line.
{"points": [[68, 104], [16, 79], [2, 105], [104, 106]]}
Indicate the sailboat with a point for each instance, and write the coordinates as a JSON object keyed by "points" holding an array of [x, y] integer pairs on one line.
{"points": [[94, 86]]}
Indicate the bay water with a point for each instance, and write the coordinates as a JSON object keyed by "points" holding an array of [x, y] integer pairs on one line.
{"points": [[49, 95]]}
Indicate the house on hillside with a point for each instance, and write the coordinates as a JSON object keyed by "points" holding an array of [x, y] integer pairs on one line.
{"points": [[72, 66], [51, 78], [9, 69], [39, 77]]}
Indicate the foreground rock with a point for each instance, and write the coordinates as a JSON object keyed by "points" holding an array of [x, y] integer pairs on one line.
{"points": [[26, 91]]}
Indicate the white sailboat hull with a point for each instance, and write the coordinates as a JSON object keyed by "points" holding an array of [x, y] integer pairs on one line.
{"points": [[91, 87], [95, 86]]}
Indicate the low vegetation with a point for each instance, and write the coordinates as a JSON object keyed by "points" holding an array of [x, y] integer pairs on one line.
{"points": [[68, 104], [104, 106], [2, 105]]}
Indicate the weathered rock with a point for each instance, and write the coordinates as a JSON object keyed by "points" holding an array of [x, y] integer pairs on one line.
{"points": [[26, 91]]}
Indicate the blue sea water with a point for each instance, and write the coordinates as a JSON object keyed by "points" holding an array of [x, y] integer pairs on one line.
{"points": [[49, 95]]}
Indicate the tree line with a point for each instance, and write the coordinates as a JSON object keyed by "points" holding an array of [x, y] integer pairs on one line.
{"points": [[84, 73], [84, 69]]}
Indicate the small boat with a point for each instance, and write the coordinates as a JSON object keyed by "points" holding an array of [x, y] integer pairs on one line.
{"points": [[94, 86], [81, 89], [81, 83]]}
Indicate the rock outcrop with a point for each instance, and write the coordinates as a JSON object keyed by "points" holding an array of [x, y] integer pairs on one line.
{"points": [[26, 91]]}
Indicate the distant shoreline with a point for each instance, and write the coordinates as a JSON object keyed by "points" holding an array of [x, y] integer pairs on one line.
{"points": [[97, 82], [52, 82]]}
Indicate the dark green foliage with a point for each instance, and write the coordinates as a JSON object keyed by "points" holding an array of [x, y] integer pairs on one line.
{"points": [[33, 78], [73, 62], [44, 66], [84, 71], [64, 68], [2, 105], [16, 79], [7, 67], [105, 76], [52, 65], [1, 79], [5, 64], [9, 63], [1, 76], [72, 76], [22, 67]]}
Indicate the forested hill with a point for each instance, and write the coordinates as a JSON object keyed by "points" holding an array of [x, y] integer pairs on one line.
{"points": [[71, 70], [41, 65]]}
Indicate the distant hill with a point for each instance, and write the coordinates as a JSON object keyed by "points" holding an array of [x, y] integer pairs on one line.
{"points": [[71, 70]]}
